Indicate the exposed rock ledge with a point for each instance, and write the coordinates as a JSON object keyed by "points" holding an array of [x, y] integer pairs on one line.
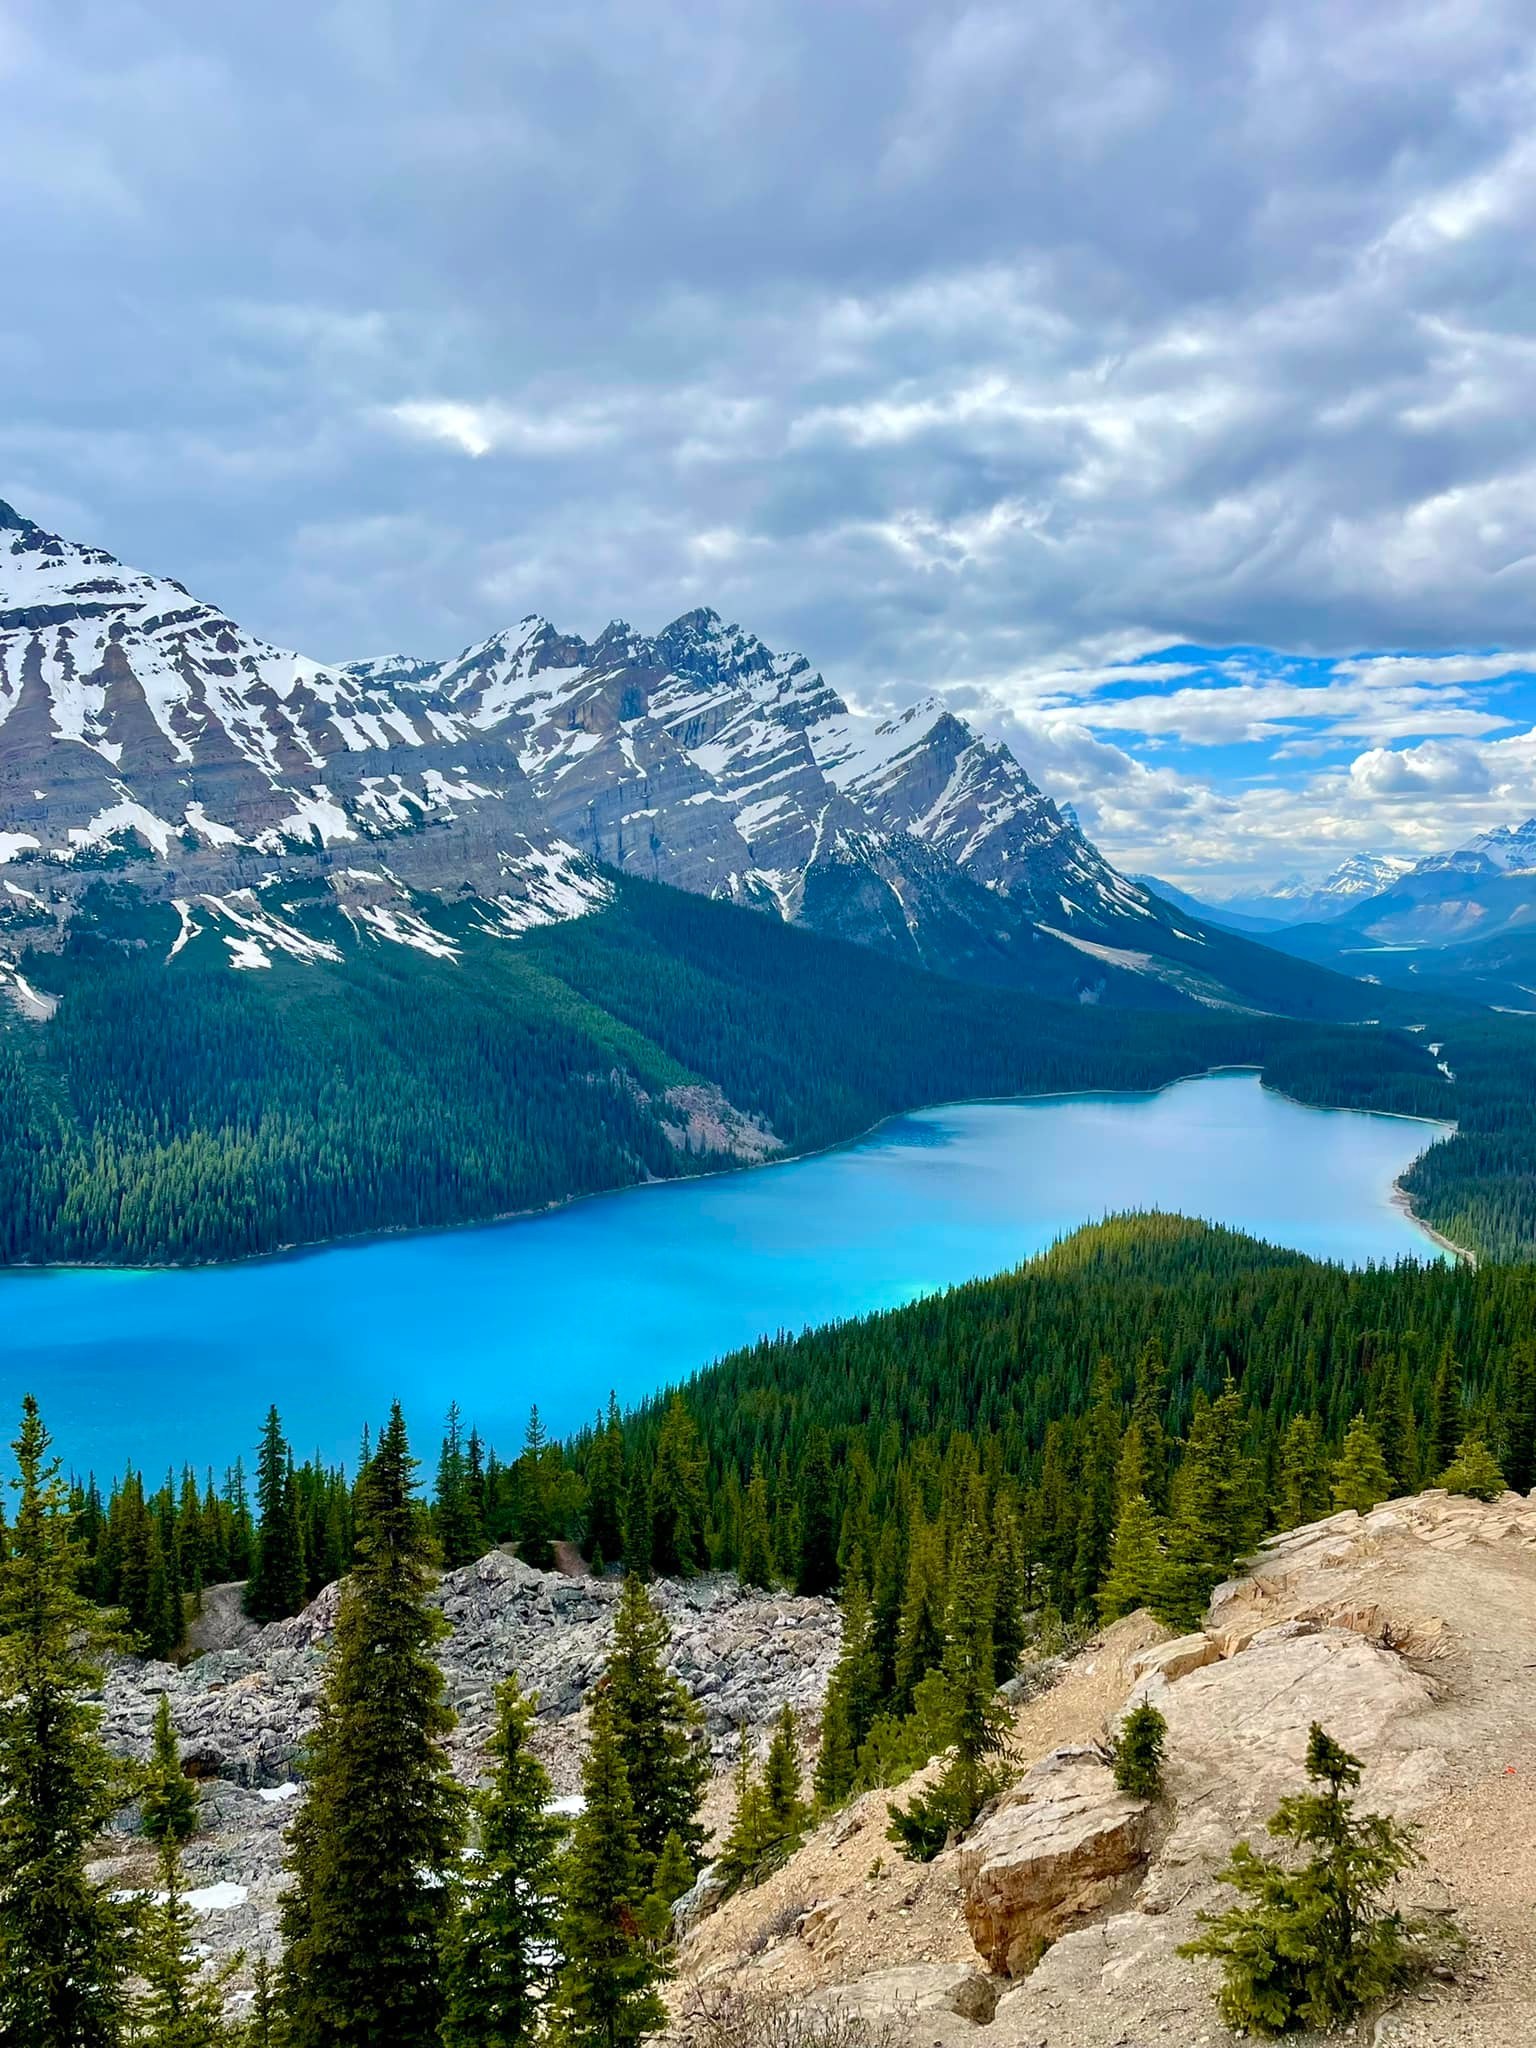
{"points": [[1410, 1633]]}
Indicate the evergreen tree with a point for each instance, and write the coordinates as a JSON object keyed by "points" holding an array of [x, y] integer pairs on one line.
{"points": [[920, 1634], [181, 2005], [755, 1563], [1360, 1477], [169, 1799], [817, 1569], [1096, 1484], [1213, 1519], [460, 1535], [263, 2021], [606, 1993], [1148, 1403], [657, 1727], [1136, 1561], [276, 1585], [501, 1958], [1520, 1429], [1445, 1422], [1010, 1592], [1314, 1945], [381, 1824], [65, 1943], [679, 1496], [1395, 1431], [769, 1814], [1138, 1752], [853, 1697], [605, 1486], [1305, 1495], [1474, 1470], [537, 1524], [639, 1538]]}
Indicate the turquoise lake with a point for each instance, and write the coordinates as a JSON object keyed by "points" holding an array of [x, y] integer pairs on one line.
{"points": [[634, 1290]]}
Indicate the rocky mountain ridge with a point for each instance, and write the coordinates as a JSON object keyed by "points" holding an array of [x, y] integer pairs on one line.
{"points": [[148, 739]]}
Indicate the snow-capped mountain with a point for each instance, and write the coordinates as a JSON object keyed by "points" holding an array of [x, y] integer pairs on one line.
{"points": [[1299, 899], [146, 735], [1511, 848]]}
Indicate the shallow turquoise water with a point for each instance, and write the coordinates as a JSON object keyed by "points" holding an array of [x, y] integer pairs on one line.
{"points": [[633, 1290]]}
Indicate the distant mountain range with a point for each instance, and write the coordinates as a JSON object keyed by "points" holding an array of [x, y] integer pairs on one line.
{"points": [[293, 807]]}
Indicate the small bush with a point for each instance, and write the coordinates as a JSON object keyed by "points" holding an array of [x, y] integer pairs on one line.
{"points": [[1137, 1756], [1474, 1470]]}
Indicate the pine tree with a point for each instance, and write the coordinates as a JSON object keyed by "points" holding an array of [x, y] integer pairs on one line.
{"points": [[605, 1485], [537, 1525], [276, 1584], [1136, 1561], [1138, 1752], [1148, 1402], [1395, 1431], [1010, 1592], [816, 1571], [380, 1827], [1304, 1488], [501, 1956], [852, 1699], [1360, 1477], [1520, 1424], [657, 1727], [263, 2020], [920, 1633], [181, 2005], [679, 1496], [459, 1533], [1445, 1416], [1213, 1519], [769, 1813], [606, 1993], [639, 1538], [755, 1564], [1474, 1470], [1314, 1945], [168, 1802], [65, 1943], [1097, 1471]]}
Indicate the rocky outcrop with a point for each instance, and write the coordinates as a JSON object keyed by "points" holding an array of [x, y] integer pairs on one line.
{"points": [[1063, 1845]]}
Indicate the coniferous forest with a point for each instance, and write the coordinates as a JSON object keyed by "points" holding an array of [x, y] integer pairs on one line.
{"points": [[173, 1111]]}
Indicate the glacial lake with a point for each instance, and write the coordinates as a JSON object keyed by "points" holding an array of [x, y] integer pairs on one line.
{"points": [[634, 1290]]}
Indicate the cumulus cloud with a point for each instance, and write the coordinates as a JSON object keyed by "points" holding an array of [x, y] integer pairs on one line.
{"points": [[969, 347]]}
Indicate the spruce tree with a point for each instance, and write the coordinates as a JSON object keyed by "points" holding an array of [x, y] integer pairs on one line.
{"points": [[537, 1518], [1137, 1758], [1214, 1514], [769, 1814], [1445, 1411], [1360, 1476], [852, 1698], [380, 1827], [1136, 1561], [1305, 1494], [1520, 1422], [920, 1632], [1010, 1592], [605, 1486], [639, 1538], [657, 1727], [679, 1496], [1148, 1403], [1314, 1944], [1395, 1431], [276, 1585], [66, 1945], [1097, 1471], [606, 1992], [168, 1802], [460, 1536], [1474, 1470], [501, 1956], [755, 1564], [816, 1571], [180, 2004]]}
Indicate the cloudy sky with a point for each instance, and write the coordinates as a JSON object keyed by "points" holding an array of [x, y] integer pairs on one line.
{"points": [[1159, 381]]}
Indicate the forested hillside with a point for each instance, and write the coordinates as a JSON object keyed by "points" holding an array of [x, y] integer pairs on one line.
{"points": [[170, 1110]]}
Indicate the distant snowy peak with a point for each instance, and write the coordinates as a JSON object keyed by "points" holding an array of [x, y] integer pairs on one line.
{"points": [[1357, 876], [141, 726], [1511, 848]]}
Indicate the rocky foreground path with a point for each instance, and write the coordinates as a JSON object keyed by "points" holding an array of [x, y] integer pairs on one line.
{"points": [[243, 1707], [1409, 1633]]}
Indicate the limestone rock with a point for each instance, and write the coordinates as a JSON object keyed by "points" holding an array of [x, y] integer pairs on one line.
{"points": [[913, 1989], [1062, 1847]]}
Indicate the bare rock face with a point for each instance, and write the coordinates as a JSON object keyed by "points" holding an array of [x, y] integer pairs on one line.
{"points": [[912, 1990], [1061, 1849]]}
